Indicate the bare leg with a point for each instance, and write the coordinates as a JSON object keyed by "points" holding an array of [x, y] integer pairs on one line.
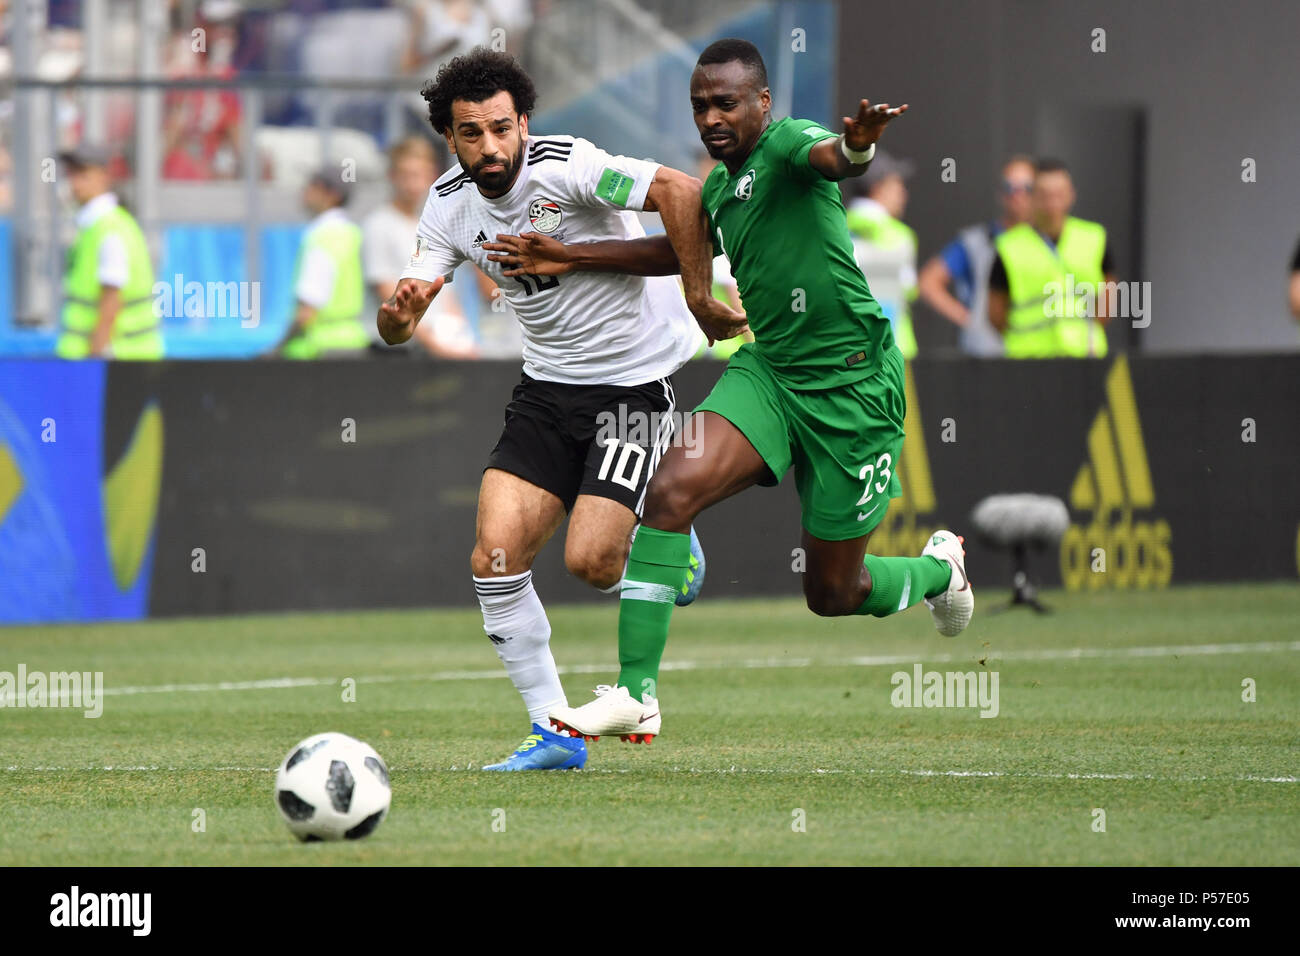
{"points": [[515, 519], [684, 486], [600, 532], [836, 581]]}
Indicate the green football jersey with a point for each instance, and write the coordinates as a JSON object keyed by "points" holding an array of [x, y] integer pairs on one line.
{"points": [[782, 225]]}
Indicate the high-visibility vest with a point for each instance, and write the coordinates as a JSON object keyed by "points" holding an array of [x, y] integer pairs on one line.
{"points": [[336, 326], [1044, 319], [136, 330], [885, 248]]}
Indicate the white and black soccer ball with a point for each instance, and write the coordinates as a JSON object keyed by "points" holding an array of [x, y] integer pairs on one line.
{"points": [[332, 787]]}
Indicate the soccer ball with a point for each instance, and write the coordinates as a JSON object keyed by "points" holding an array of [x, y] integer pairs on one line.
{"points": [[332, 787]]}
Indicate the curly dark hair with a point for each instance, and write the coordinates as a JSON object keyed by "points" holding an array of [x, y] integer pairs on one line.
{"points": [[475, 77]]}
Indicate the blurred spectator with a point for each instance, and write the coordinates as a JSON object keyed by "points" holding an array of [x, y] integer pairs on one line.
{"points": [[64, 13], [328, 286], [443, 29], [440, 30], [1294, 291], [1039, 267], [108, 285], [515, 18], [964, 264], [387, 237], [6, 180], [201, 128], [57, 54], [885, 247]]}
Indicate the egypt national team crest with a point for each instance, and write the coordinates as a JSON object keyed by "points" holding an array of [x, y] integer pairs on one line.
{"points": [[545, 215], [745, 188]]}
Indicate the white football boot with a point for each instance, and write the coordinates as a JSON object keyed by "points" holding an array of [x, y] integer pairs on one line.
{"points": [[953, 608], [612, 712]]}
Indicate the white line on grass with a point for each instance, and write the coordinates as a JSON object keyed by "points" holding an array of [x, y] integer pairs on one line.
{"points": [[1248, 778], [762, 663], [883, 660]]}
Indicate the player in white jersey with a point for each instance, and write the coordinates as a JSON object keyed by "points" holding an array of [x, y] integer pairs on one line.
{"points": [[593, 413]]}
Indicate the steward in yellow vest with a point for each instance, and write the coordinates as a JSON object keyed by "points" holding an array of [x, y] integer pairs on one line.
{"points": [[1046, 292], [885, 246], [328, 285], [108, 284]]}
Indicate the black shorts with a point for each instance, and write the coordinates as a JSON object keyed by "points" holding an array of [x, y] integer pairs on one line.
{"points": [[603, 440]]}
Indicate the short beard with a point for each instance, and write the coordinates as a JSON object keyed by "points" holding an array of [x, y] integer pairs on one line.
{"points": [[496, 183]]}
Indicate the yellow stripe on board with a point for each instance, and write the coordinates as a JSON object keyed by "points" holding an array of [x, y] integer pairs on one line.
{"points": [[11, 481], [1128, 435], [914, 473], [130, 493], [1083, 493], [1101, 450]]}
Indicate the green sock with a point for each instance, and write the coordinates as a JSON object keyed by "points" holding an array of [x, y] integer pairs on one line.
{"points": [[656, 570], [898, 583]]}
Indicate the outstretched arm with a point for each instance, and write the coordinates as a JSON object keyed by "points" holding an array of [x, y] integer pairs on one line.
{"points": [[676, 197], [536, 254], [686, 248], [860, 134]]}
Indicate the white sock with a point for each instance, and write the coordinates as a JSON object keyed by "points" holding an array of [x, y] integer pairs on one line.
{"points": [[515, 621]]}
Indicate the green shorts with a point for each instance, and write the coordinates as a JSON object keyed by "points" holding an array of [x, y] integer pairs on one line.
{"points": [[843, 442]]}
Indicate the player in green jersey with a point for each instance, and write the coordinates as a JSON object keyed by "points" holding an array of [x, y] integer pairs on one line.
{"points": [[820, 389]]}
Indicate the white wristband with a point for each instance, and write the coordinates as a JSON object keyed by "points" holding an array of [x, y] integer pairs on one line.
{"points": [[857, 157]]}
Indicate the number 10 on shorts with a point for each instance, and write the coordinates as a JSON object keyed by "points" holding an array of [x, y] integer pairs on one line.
{"points": [[620, 475], [879, 471]]}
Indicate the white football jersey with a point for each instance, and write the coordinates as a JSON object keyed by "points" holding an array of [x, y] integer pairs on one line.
{"points": [[581, 328]]}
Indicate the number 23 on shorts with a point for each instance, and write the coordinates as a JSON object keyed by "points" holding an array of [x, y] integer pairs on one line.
{"points": [[876, 475]]}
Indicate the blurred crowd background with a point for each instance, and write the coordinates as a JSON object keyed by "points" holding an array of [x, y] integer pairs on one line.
{"points": [[221, 125], [216, 114]]}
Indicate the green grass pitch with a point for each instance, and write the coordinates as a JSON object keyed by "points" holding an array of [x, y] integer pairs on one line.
{"points": [[1129, 703]]}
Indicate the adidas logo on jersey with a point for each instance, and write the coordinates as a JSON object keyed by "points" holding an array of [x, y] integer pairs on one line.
{"points": [[478, 240]]}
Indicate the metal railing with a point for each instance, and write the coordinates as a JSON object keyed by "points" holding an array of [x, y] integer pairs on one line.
{"points": [[42, 225], [578, 49]]}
